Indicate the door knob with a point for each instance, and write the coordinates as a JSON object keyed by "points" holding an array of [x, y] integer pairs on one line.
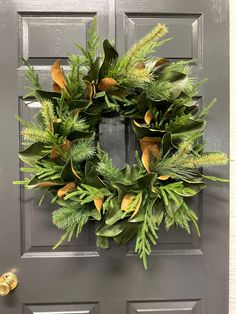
{"points": [[8, 282]]}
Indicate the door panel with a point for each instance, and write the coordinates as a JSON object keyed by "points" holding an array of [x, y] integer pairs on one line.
{"points": [[186, 274]]}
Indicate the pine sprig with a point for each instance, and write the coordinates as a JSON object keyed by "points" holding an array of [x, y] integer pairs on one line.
{"points": [[71, 218], [36, 135], [127, 65], [87, 193], [83, 149], [48, 115], [106, 169], [93, 38], [33, 77], [207, 160], [147, 235]]}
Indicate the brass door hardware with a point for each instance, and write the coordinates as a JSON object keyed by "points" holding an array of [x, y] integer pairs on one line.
{"points": [[8, 282]]}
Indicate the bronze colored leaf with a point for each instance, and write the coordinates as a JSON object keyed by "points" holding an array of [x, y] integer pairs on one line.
{"points": [[163, 178], [149, 145], [75, 172], [136, 209], [147, 141], [161, 61], [55, 153], [89, 90], [47, 184], [58, 75], [67, 188], [146, 159], [56, 88], [127, 202], [98, 202], [148, 117], [107, 83]]}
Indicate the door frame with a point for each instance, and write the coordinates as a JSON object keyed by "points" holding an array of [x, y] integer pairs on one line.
{"points": [[232, 261]]}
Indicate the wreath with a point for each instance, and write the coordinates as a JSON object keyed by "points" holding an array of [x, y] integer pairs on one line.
{"points": [[65, 159]]}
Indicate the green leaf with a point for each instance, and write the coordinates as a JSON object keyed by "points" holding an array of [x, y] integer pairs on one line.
{"points": [[186, 192], [114, 212], [33, 153], [102, 242], [111, 231], [178, 86], [110, 55], [216, 179], [67, 174], [127, 234], [75, 135], [41, 95], [141, 130], [146, 182]]}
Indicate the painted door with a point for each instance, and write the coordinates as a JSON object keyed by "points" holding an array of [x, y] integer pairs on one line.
{"points": [[186, 275]]}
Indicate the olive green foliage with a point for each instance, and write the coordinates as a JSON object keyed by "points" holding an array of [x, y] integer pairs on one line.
{"points": [[62, 145]]}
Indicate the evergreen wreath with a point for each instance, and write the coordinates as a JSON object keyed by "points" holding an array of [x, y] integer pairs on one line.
{"points": [[157, 95]]}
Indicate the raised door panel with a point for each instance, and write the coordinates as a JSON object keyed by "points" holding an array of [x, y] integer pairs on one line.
{"points": [[186, 43]]}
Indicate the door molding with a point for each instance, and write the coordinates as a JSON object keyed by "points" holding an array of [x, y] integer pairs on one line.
{"points": [[232, 279]]}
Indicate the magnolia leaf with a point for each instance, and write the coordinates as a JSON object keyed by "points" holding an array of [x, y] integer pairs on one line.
{"points": [[107, 83], [131, 202], [58, 75], [166, 144], [47, 184], [55, 153], [114, 212], [75, 135], [95, 214], [75, 173], [161, 61], [41, 95], [141, 130], [33, 153], [189, 127], [148, 117], [94, 69], [178, 86], [68, 172], [127, 234], [111, 231], [67, 188], [146, 182], [163, 178], [149, 141], [56, 88], [89, 91], [98, 202], [186, 192], [110, 55], [149, 145]]}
